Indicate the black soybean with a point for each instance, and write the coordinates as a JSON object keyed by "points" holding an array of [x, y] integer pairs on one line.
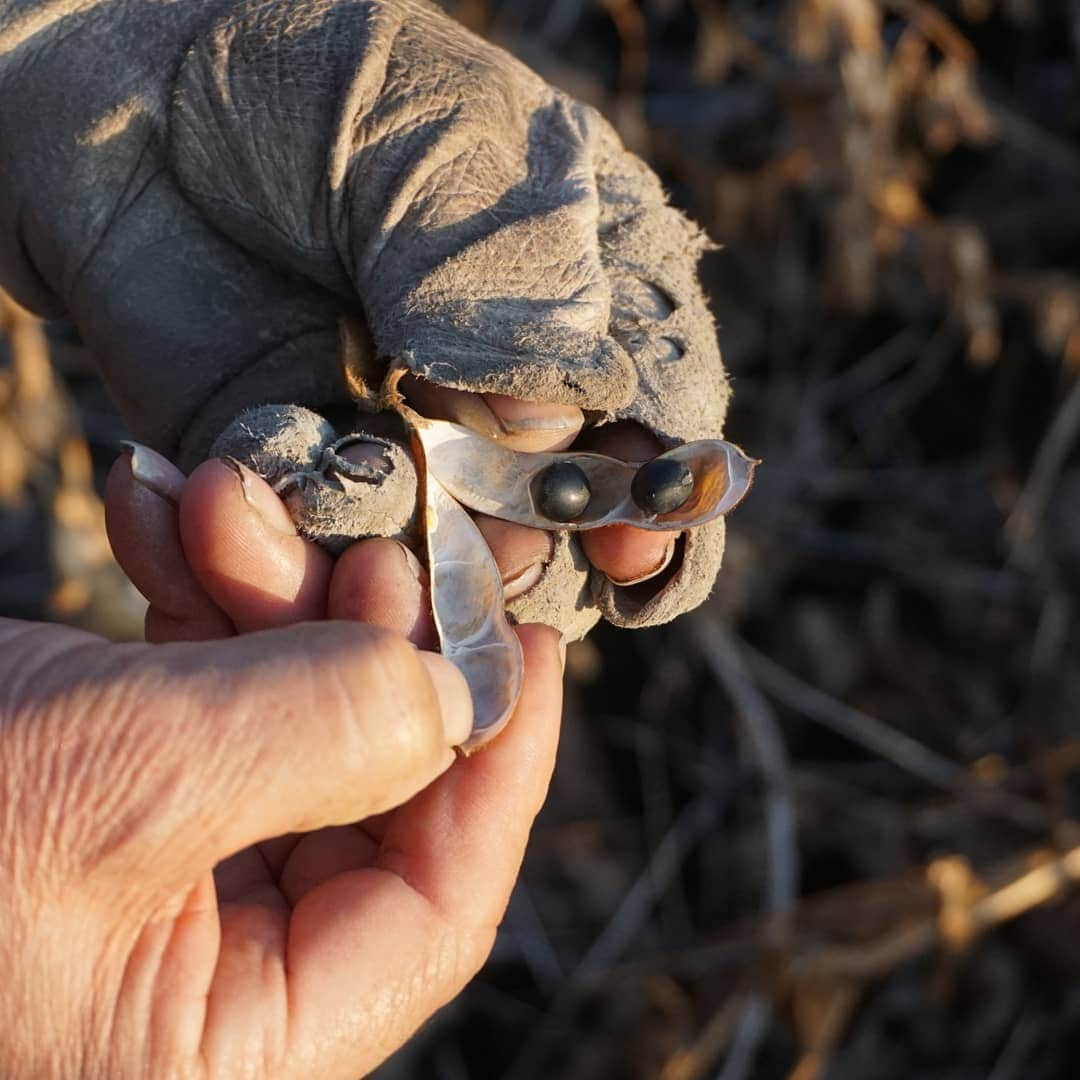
{"points": [[562, 492], [661, 486]]}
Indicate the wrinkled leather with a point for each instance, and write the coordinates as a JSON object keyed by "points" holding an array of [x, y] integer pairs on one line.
{"points": [[204, 187]]}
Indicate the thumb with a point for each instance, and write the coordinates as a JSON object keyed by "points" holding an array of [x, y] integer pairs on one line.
{"points": [[183, 754]]}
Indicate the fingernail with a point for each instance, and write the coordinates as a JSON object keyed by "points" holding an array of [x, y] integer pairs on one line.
{"points": [[360, 459], [455, 702], [516, 425], [665, 562], [473, 412], [562, 652], [521, 581], [445, 403], [536, 425], [154, 472], [267, 506], [416, 567], [516, 416]]}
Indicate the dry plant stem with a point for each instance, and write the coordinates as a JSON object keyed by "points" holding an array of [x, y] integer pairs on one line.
{"points": [[865, 730], [1036, 887], [1022, 526], [696, 1060], [1026, 891], [750, 1031], [935, 27], [1026, 1034], [840, 971], [621, 930], [886, 742], [722, 655], [845, 969], [630, 26], [523, 921], [626, 923], [832, 1017], [766, 743]]}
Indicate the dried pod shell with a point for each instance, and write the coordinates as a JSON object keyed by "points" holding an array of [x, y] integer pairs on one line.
{"points": [[492, 479], [469, 610]]}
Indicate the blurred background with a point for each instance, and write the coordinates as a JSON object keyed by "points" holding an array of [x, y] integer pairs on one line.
{"points": [[826, 826]]}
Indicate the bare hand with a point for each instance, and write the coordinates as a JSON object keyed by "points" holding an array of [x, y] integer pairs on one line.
{"points": [[250, 856]]}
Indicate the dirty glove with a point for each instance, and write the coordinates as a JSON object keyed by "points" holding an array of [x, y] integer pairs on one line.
{"points": [[206, 187]]}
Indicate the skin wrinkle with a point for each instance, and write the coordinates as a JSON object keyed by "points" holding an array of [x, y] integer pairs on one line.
{"points": [[147, 744], [74, 769], [134, 973], [139, 793], [77, 1016], [200, 914], [244, 932], [42, 18], [273, 977], [227, 761], [154, 1052], [34, 835], [254, 936], [205, 913]]}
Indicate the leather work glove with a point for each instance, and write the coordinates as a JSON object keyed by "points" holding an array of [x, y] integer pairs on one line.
{"points": [[205, 187]]}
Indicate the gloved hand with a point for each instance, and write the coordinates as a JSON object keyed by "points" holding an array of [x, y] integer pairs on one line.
{"points": [[205, 187]]}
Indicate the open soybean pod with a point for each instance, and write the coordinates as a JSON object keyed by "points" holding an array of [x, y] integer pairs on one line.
{"points": [[469, 610], [492, 479]]}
